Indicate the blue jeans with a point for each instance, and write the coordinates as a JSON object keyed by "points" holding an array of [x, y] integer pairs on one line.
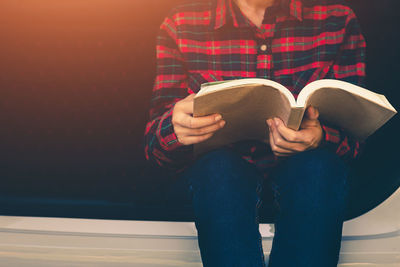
{"points": [[309, 192]]}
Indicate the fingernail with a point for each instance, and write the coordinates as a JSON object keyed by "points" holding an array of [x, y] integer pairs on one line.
{"points": [[218, 117], [222, 123], [269, 123]]}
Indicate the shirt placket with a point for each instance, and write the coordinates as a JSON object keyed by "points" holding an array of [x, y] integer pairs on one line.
{"points": [[264, 36]]}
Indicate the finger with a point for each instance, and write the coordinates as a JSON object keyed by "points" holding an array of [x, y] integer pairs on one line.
{"points": [[187, 104], [191, 96], [287, 133], [189, 140], [283, 154], [311, 118], [298, 140], [312, 113], [306, 123], [279, 144], [276, 149], [188, 121], [200, 131]]}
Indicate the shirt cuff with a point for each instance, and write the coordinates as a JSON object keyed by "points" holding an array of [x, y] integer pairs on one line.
{"points": [[330, 135], [165, 132], [330, 138]]}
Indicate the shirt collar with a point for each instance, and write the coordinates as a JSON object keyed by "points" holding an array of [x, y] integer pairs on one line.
{"points": [[224, 11]]}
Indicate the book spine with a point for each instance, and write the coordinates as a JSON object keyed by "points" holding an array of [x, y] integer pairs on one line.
{"points": [[295, 118]]}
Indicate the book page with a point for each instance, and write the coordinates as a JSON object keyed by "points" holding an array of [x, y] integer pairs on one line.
{"points": [[212, 87], [245, 110], [342, 85], [355, 114]]}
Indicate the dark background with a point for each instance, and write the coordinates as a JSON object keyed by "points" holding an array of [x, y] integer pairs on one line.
{"points": [[75, 87]]}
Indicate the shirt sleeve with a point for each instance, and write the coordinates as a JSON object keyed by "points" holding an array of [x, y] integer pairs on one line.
{"points": [[161, 145], [349, 66]]}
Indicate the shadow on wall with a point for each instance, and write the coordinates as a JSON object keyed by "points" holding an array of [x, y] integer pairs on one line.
{"points": [[75, 84]]}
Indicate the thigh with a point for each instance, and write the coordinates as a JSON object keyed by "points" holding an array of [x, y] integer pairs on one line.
{"points": [[213, 166], [303, 178], [317, 167], [310, 180], [213, 171]]}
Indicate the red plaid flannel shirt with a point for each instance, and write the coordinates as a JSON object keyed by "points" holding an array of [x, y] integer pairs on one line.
{"points": [[212, 40]]}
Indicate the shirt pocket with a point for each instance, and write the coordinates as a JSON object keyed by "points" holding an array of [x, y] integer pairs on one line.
{"points": [[197, 78], [315, 62], [318, 71]]}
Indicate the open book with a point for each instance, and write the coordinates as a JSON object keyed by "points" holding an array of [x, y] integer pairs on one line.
{"points": [[246, 104]]}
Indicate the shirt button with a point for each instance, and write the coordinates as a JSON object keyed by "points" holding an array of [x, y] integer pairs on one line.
{"points": [[263, 47]]}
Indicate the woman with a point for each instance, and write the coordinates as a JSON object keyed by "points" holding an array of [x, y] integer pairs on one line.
{"points": [[304, 172]]}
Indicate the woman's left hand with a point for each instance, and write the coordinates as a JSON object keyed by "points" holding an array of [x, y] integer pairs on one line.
{"points": [[286, 142]]}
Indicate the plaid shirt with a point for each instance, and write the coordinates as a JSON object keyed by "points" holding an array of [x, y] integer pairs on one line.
{"points": [[300, 41]]}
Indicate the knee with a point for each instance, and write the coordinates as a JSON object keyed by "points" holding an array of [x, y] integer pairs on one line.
{"points": [[317, 160], [317, 163], [220, 166], [223, 173], [218, 159]]}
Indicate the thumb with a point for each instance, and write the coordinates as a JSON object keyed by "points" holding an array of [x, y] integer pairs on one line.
{"points": [[190, 96], [186, 104], [312, 113]]}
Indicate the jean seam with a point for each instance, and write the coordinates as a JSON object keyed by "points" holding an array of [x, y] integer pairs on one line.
{"points": [[276, 195], [258, 204]]}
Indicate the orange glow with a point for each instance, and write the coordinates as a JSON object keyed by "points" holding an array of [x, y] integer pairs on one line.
{"points": [[72, 70]]}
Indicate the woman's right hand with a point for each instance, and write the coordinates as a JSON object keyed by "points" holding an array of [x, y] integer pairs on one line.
{"points": [[190, 130]]}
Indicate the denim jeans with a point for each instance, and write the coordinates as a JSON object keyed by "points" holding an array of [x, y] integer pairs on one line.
{"points": [[309, 192]]}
